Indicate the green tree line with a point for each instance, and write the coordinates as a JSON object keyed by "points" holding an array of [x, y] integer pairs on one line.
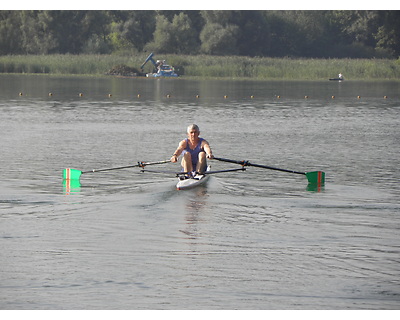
{"points": [[312, 34]]}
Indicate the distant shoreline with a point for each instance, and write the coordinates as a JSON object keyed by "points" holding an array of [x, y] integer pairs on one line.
{"points": [[202, 66]]}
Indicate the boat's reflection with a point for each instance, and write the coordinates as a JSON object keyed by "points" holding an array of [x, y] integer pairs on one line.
{"points": [[196, 209]]}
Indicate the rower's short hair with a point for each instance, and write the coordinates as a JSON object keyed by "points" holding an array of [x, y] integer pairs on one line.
{"points": [[193, 127]]}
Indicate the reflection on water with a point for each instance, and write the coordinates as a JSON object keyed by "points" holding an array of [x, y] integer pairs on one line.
{"points": [[71, 186], [315, 187], [195, 207], [258, 239]]}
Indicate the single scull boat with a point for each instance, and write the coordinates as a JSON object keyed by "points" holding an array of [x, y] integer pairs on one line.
{"points": [[186, 182]]}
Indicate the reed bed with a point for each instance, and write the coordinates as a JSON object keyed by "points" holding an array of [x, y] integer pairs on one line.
{"points": [[209, 66]]}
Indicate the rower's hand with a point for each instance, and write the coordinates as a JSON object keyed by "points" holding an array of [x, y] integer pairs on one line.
{"points": [[174, 158], [210, 156]]}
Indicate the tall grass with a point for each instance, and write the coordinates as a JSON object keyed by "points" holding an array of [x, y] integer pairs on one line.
{"points": [[62, 64], [292, 69], [210, 66]]}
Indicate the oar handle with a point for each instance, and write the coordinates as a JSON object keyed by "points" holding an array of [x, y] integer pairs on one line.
{"points": [[184, 173], [243, 163], [155, 162]]}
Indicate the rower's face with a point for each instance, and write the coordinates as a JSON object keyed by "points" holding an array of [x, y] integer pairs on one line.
{"points": [[193, 134]]}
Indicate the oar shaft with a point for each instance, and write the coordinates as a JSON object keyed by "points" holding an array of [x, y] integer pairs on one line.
{"points": [[247, 163], [273, 168], [109, 169], [140, 164]]}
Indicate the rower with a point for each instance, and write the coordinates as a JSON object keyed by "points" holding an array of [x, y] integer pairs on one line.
{"points": [[195, 151]]}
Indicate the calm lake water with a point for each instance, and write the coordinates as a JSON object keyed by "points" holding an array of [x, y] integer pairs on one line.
{"points": [[258, 239]]}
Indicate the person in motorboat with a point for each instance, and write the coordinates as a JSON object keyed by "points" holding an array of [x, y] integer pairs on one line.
{"points": [[195, 151], [340, 76]]}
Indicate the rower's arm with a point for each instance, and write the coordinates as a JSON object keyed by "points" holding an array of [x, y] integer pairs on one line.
{"points": [[208, 150], [178, 151]]}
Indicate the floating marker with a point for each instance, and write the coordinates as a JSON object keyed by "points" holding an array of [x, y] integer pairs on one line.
{"points": [[109, 95], [197, 96], [358, 97], [278, 97], [138, 95], [252, 97], [81, 94], [20, 93], [384, 97], [225, 97], [168, 96], [305, 97], [50, 94], [333, 97]]}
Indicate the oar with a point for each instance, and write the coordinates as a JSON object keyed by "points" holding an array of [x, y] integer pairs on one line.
{"points": [[314, 177], [74, 174]]}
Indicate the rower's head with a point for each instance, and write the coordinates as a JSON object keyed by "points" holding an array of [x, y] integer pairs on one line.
{"points": [[193, 127], [193, 131]]}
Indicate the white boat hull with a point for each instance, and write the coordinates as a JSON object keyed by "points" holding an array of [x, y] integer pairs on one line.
{"points": [[190, 183]]}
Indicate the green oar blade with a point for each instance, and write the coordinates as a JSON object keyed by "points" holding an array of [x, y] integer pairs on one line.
{"points": [[316, 177], [71, 174]]}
